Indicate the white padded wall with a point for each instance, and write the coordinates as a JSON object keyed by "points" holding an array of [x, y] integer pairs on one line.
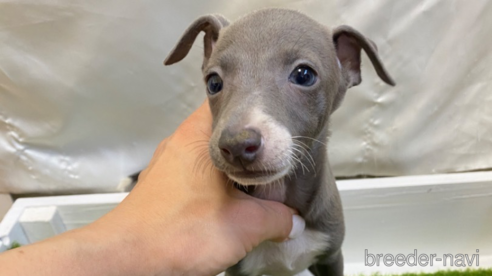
{"points": [[85, 99]]}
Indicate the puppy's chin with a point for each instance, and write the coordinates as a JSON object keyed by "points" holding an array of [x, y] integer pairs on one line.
{"points": [[259, 179]]}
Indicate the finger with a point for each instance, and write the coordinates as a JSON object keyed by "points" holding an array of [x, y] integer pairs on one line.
{"points": [[142, 174], [160, 149], [278, 221], [235, 192], [198, 125], [203, 111]]}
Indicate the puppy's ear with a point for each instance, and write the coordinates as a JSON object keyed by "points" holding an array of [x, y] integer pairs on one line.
{"points": [[348, 43], [211, 25]]}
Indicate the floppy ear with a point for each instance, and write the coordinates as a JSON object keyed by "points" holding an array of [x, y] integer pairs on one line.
{"points": [[348, 43], [211, 25]]}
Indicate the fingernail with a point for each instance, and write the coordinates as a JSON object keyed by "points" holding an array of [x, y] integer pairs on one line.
{"points": [[298, 225]]}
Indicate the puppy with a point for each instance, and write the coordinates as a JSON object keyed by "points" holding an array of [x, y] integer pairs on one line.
{"points": [[273, 79]]}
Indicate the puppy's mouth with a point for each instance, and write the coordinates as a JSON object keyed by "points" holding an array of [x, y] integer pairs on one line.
{"points": [[259, 177]]}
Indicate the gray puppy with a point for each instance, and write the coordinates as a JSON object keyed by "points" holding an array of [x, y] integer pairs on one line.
{"points": [[273, 79]]}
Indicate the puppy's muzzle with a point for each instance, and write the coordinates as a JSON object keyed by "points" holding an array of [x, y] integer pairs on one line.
{"points": [[240, 148]]}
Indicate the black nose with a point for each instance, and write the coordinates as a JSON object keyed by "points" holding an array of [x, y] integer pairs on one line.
{"points": [[240, 146]]}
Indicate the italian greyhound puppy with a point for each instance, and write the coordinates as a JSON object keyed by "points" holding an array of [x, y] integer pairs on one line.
{"points": [[273, 79]]}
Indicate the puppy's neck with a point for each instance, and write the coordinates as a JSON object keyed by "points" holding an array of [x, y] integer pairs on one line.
{"points": [[275, 191]]}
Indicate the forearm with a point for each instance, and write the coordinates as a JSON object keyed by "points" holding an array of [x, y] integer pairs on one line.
{"points": [[81, 252]]}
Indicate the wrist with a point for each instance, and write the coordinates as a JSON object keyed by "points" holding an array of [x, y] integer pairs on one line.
{"points": [[118, 249], [90, 250]]}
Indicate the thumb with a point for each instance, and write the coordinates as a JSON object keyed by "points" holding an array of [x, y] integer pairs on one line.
{"points": [[280, 222]]}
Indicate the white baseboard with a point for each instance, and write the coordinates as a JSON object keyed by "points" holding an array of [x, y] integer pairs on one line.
{"points": [[434, 214]]}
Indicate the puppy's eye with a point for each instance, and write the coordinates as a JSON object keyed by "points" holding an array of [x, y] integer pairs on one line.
{"points": [[303, 75], [214, 84]]}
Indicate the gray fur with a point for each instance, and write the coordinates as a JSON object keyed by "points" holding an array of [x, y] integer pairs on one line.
{"points": [[255, 56]]}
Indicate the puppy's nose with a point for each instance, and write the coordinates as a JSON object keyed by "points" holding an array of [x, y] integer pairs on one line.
{"points": [[240, 146]]}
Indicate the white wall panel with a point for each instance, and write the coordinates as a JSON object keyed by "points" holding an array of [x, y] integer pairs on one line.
{"points": [[85, 99]]}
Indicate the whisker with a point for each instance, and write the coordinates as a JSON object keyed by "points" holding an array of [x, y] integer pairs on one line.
{"points": [[200, 161], [212, 167], [306, 149], [300, 162], [309, 157], [304, 145], [230, 182], [197, 141], [305, 137], [206, 134], [292, 161], [295, 161], [199, 146]]}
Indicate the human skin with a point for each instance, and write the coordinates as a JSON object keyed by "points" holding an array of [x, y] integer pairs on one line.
{"points": [[183, 218]]}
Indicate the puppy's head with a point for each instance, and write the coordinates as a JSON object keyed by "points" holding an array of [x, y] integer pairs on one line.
{"points": [[273, 78]]}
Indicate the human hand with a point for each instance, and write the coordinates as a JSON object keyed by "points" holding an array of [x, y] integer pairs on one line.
{"points": [[187, 215], [180, 219]]}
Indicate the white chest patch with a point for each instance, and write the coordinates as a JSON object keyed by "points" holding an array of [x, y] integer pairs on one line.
{"points": [[287, 258]]}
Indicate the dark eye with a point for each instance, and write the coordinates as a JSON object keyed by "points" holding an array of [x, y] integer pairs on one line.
{"points": [[214, 84], [303, 75]]}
